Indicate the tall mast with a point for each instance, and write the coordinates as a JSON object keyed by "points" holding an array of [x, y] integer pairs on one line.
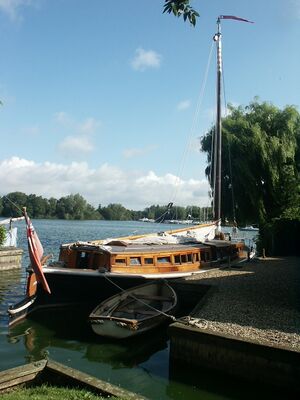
{"points": [[217, 157], [218, 131]]}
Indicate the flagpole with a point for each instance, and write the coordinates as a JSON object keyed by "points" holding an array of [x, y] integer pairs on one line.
{"points": [[35, 250]]}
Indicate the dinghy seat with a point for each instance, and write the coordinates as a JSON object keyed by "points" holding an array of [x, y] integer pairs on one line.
{"points": [[153, 297]]}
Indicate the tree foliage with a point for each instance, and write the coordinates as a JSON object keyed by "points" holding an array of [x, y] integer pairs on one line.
{"points": [[260, 162], [181, 8], [115, 212], [74, 206], [2, 234]]}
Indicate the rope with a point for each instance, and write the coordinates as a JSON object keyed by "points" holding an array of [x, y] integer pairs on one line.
{"points": [[161, 219], [184, 320], [139, 300]]}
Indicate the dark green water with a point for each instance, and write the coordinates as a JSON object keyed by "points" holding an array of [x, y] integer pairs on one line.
{"points": [[140, 365]]}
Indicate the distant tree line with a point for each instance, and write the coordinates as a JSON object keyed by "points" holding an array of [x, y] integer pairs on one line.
{"points": [[75, 207]]}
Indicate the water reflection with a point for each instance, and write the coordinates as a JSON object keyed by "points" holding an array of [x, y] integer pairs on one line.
{"points": [[61, 329], [12, 289], [140, 364]]}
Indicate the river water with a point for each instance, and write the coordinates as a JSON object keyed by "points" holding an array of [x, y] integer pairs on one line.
{"points": [[140, 365]]}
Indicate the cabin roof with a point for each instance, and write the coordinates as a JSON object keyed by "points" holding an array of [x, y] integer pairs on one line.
{"points": [[136, 248]]}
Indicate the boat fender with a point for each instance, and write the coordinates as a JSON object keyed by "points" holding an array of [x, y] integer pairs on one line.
{"points": [[122, 324], [98, 321]]}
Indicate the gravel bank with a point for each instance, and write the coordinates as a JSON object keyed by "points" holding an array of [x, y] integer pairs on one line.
{"points": [[259, 302]]}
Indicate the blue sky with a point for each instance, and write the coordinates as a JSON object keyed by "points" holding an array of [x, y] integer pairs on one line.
{"points": [[99, 97]]}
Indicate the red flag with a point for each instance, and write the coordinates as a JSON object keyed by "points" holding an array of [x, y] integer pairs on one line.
{"points": [[236, 18], [36, 252]]}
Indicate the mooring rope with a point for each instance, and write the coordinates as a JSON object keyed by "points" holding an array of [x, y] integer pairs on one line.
{"points": [[139, 300]]}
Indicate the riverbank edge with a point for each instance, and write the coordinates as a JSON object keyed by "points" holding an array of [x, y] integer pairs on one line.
{"points": [[54, 373], [10, 258], [205, 342]]}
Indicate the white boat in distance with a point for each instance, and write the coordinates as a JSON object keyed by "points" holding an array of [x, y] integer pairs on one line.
{"points": [[249, 228], [134, 311]]}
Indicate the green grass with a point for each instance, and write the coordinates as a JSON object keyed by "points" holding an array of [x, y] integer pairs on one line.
{"points": [[45, 392]]}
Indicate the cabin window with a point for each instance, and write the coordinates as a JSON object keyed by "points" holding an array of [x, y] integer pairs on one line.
{"points": [[164, 260], [177, 259], [120, 260], [135, 261], [203, 256], [196, 257], [148, 260], [189, 258], [83, 260], [183, 258]]}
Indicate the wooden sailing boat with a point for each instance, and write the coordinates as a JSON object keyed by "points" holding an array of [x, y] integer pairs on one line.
{"points": [[92, 271]]}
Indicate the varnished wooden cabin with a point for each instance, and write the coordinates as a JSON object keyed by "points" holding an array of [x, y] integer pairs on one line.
{"points": [[123, 258]]}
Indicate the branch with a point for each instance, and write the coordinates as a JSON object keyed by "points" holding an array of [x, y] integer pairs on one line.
{"points": [[181, 8]]}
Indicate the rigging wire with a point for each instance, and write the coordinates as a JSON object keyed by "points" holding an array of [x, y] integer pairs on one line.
{"points": [[14, 204], [229, 153], [193, 126]]}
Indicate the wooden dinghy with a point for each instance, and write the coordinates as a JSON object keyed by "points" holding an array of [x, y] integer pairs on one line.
{"points": [[134, 311]]}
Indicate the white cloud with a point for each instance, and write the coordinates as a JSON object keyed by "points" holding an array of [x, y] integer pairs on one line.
{"points": [[137, 152], [78, 142], [105, 184], [12, 7], [145, 59], [62, 118], [183, 105], [89, 126], [76, 145]]}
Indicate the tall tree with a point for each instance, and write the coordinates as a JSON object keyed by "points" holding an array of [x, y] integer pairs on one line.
{"points": [[260, 149]]}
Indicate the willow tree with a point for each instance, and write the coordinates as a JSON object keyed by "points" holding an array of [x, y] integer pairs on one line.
{"points": [[260, 162]]}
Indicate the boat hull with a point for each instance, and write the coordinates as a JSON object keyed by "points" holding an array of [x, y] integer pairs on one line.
{"points": [[120, 330], [69, 290], [86, 288]]}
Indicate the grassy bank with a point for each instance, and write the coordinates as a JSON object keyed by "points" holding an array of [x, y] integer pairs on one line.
{"points": [[45, 392]]}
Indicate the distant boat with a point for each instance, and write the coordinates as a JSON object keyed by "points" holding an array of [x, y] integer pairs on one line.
{"points": [[134, 311], [179, 221], [146, 219], [11, 232], [249, 228]]}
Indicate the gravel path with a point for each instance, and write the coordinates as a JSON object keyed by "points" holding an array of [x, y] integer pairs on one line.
{"points": [[259, 302]]}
